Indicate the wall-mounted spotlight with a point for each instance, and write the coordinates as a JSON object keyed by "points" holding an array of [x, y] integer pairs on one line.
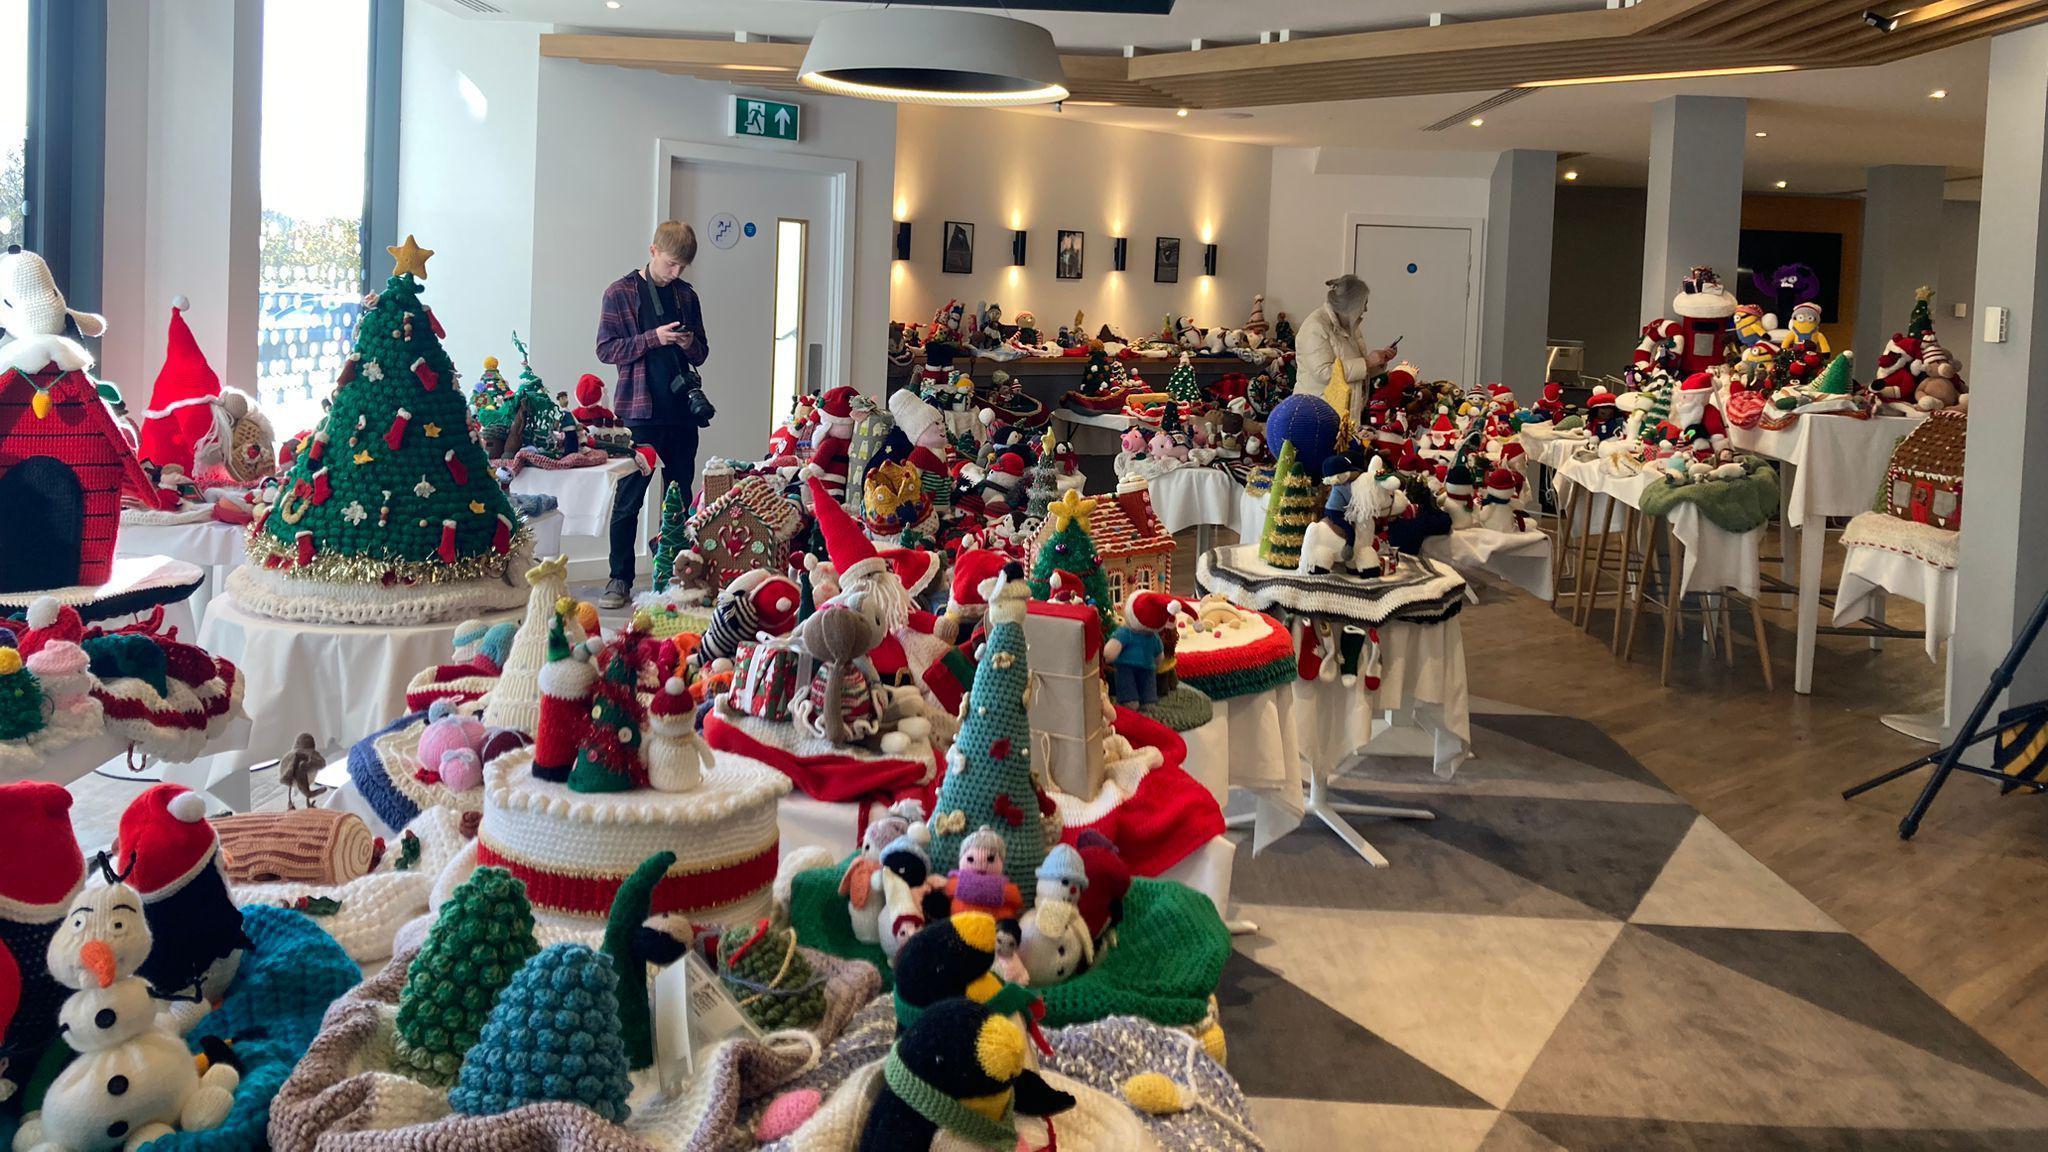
{"points": [[1017, 248], [1208, 259], [1120, 250], [1879, 20], [903, 240]]}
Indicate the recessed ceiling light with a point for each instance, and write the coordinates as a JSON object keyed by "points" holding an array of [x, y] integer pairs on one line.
{"points": [[1572, 175], [1181, 112], [1760, 135], [1478, 120], [1938, 94], [1781, 183], [611, 3]]}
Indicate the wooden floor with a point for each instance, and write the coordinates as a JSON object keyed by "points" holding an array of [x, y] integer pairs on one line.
{"points": [[1954, 909]]}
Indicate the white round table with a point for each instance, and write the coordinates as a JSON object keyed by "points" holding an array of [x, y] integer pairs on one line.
{"points": [[213, 545], [584, 496]]}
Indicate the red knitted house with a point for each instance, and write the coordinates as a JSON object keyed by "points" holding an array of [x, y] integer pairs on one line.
{"points": [[61, 476]]}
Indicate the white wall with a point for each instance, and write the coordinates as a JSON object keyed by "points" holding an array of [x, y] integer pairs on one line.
{"points": [[1042, 173], [466, 175], [594, 201], [1958, 279]]}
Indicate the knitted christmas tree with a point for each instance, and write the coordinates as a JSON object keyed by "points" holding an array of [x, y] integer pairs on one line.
{"points": [[1290, 507], [492, 394], [21, 698], [1169, 419], [1068, 549], [1920, 324], [1045, 482], [481, 937], [630, 909], [988, 772], [391, 493], [1182, 386], [1096, 378], [674, 514], [554, 1035], [766, 973], [538, 416], [609, 759]]}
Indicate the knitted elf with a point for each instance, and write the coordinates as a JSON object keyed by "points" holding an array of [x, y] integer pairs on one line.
{"points": [[988, 778], [1290, 507], [171, 857], [554, 1035], [609, 757], [480, 938], [1068, 557], [831, 444], [566, 681], [41, 872], [391, 495]]}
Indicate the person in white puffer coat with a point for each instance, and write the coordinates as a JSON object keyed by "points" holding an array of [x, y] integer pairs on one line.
{"points": [[1336, 331]]}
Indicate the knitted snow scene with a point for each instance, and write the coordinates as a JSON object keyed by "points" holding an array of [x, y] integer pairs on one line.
{"points": [[393, 514], [1227, 651], [1737, 504], [480, 938]]}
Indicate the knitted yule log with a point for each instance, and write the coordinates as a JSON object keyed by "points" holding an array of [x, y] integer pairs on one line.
{"points": [[307, 845], [1735, 505], [343, 1096], [1256, 655], [372, 909], [270, 1015], [1166, 962]]}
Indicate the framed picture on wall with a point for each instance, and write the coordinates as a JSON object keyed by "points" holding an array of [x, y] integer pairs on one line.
{"points": [[1166, 260], [1068, 265], [958, 253]]}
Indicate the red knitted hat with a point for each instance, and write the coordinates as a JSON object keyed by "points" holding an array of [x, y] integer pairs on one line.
{"points": [[971, 569], [180, 411], [589, 390], [1503, 482], [41, 868], [1151, 610], [775, 599], [845, 542], [164, 840], [838, 402], [48, 620], [674, 699]]}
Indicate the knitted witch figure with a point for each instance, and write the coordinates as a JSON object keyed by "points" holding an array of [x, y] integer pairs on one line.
{"points": [[609, 759], [988, 772]]}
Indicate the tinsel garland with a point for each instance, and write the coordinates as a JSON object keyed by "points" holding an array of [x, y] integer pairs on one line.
{"points": [[282, 557]]}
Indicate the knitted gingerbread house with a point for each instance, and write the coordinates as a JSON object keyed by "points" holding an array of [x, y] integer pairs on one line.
{"points": [[1924, 482], [1135, 548], [748, 527]]}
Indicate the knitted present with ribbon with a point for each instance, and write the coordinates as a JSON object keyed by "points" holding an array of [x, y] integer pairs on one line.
{"points": [[1070, 725], [767, 676]]}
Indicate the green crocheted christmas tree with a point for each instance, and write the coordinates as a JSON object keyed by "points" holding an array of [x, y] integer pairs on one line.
{"points": [[481, 937], [1920, 324], [554, 1036], [21, 698], [630, 909], [492, 395], [1045, 481], [988, 772], [1291, 505], [392, 488], [1096, 377], [539, 416], [1182, 385], [768, 975], [609, 758], [674, 514], [1069, 550]]}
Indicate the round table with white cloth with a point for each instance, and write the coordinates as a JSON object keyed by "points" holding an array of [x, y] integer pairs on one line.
{"points": [[1197, 497], [214, 545], [1520, 558], [584, 496], [1715, 558]]}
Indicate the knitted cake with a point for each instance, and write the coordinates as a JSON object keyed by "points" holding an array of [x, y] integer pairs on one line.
{"points": [[573, 849], [1227, 651]]}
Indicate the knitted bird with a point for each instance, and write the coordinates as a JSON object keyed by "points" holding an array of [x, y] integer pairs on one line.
{"points": [[952, 958], [956, 1078], [297, 768]]}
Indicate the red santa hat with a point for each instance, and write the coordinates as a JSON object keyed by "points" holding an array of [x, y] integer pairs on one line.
{"points": [[1401, 375], [1152, 611], [180, 412], [1511, 450], [47, 621], [164, 840], [855, 557], [1443, 425], [838, 402], [1500, 391], [673, 700], [972, 569], [1553, 391], [589, 390], [1503, 482], [774, 596], [1601, 398], [1010, 465], [41, 868]]}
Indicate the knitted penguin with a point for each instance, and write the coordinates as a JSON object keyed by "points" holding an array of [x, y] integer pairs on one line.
{"points": [[957, 1079], [953, 958], [41, 871], [171, 857]]}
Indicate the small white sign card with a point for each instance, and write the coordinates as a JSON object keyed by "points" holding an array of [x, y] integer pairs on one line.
{"points": [[693, 1013]]}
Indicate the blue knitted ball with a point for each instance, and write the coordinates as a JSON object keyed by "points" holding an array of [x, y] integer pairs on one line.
{"points": [[1307, 422]]}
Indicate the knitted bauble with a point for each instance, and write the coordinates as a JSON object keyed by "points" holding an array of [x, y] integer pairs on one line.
{"points": [[480, 938], [988, 778], [41, 870], [21, 698], [1307, 422], [171, 857], [554, 1035], [768, 975]]}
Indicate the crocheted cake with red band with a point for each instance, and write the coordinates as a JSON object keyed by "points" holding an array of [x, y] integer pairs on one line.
{"points": [[1228, 651], [573, 849]]}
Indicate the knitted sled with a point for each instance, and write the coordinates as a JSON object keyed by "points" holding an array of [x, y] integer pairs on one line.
{"points": [[1165, 964]]}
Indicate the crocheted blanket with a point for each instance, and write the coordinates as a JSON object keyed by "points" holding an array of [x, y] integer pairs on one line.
{"points": [[1940, 547], [344, 1096], [834, 773], [1420, 591], [1737, 505], [1164, 965]]}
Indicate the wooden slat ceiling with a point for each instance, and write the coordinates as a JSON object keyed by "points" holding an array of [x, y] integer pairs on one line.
{"points": [[1652, 36]]}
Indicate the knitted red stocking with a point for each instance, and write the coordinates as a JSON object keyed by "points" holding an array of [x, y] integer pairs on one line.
{"points": [[447, 549], [395, 435], [1309, 663], [456, 471]]}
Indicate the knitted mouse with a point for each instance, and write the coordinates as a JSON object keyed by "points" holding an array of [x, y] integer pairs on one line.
{"points": [[957, 1079]]}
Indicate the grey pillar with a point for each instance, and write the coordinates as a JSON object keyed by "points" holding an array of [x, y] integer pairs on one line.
{"points": [[2002, 572], [1515, 307], [1695, 201], [1901, 250]]}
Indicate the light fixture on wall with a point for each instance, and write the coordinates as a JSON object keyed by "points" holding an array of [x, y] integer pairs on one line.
{"points": [[1938, 94], [934, 56], [1681, 74], [1208, 259], [1119, 252], [1017, 248], [1781, 184], [903, 240], [1571, 174]]}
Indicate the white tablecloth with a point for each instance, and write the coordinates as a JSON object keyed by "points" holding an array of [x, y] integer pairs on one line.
{"points": [[1838, 461], [584, 496], [1867, 571], [547, 532], [1189, 497], [1715, 558], [207, 543], [1091, 433], [1520, 558]]}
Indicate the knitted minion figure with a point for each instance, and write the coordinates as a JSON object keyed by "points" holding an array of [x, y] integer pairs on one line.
{"points": [[979, 884], [1134, 648], [953, 958], [956, 1079], [41, 872], [171, 857]]}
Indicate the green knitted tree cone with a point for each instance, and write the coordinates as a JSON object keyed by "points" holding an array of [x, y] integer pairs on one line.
{"points": [[1290, 507], [630, 909], [768, 975], [21, 698], [1920, 324], [1182, 385], [988, 772], [674, 514], [609, 760], [1069, 549], [481, 937], [554, 1036]]}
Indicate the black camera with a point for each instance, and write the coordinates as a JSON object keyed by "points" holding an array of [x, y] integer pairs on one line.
{"points": [[701, 411]]}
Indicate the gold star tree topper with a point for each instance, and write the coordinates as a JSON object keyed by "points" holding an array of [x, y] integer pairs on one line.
{"points": [[409, 257], [1070, 507]]}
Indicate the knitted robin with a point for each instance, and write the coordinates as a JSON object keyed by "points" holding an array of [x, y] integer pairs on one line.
{"points": [[957, 1079]]}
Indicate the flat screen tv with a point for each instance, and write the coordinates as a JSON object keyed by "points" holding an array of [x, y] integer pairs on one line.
{"points": [[1764, 254]]}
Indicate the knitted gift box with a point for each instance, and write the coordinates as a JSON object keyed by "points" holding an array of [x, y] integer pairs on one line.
{"points": [[1237, 653], [1067, 724]]}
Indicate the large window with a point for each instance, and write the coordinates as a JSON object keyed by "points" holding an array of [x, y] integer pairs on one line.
{"points": [[13, 122], [315, 133]]}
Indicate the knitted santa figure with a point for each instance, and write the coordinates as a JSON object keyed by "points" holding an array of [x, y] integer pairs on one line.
{"points": [[758, 601], [1551, 407], [171, 857], [924, 426], [41, 871], [832, 440], [972, 570], [1697, 414], [590, 407], [566, 681]]}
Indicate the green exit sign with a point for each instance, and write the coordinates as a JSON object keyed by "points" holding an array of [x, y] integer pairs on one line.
{"points": [[767, 119]]}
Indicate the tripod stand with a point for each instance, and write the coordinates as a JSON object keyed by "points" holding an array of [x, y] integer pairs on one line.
{"points": [[1949, 760]]}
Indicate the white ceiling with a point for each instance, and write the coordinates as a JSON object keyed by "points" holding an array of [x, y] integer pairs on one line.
{"points": [[1824, 127]]}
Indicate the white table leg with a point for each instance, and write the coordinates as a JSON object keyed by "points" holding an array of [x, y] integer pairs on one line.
{"points": [[1205, 538], [1790, 565], [1812, 537]]}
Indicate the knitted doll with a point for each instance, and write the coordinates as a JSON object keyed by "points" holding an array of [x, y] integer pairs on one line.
{"points": [[1133, 650], [861, 883], [979, 885], [905, 877], [171, 857], [566, 682], [832, 440], [676, 755], [41, 872], [957, 1079], [450, 748], [1551, 407], [133, 1080]]}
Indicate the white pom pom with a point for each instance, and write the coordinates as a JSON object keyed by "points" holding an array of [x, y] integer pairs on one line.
{"points": [[187, 807], [42, 612], [784, 604], [674, 686], [180, 303], [920, 833]]}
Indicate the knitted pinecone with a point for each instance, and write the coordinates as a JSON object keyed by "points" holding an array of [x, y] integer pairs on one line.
{"points": [[482, 936], [554, 1035], [770, 978]]}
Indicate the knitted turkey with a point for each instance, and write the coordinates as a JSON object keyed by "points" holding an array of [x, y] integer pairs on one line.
{"points": [[132, 1081]]}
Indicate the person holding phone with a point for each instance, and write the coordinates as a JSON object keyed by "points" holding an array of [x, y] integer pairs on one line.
{"points": [[651, 328], [1335, 332]]}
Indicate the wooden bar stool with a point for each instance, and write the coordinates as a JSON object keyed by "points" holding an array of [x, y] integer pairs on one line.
{"points": [[1588, 586], [1666, 566]]}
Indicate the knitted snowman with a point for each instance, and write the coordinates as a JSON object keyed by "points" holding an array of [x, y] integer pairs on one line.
{"points": [[132, 1081], [41, 871], [171, 857], [676, 755]]}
